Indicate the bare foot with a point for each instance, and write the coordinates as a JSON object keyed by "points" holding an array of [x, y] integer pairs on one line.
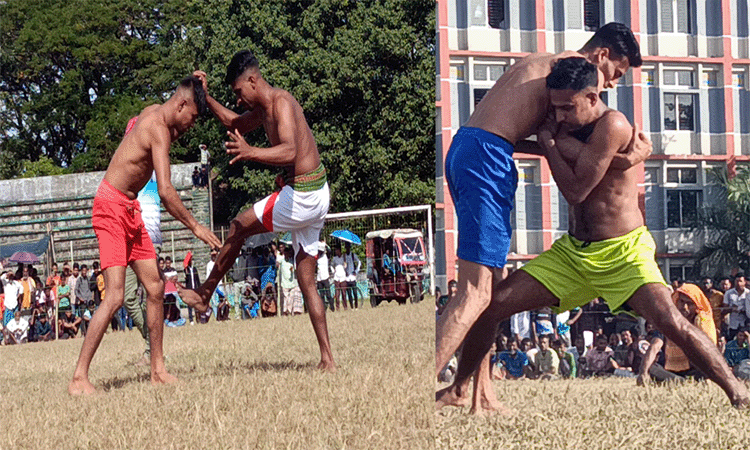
{"points": [[450, 397], [491, 409], [194, 299], [327, 366], [81, 386], [162, 378]]}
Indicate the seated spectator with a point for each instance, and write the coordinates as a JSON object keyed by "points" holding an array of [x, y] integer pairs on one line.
{"points": [[69, 324], [622, 349], [579, 352], [16, 331], [568, 366], [86, 318], [737, 349], [528, 347], [599, 359], [546, 360], [268, 305], [513, 364], [41, 328], [222, 309], [172, 316], [249, 300], [695, 307]]}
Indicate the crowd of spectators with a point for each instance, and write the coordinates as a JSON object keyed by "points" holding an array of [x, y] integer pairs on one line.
{"points": [[592, 342]]}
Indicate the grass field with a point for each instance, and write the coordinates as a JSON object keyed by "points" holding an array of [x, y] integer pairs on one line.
{"points": [[610, 413], [243, 384]]}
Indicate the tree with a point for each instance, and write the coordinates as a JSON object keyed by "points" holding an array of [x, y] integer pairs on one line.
{"points": [[726, 225], [73, 72]]}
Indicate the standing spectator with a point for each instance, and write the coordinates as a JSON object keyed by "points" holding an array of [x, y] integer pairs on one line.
{"points": [[192, 281], [289, 303], [568, 366], [736, 350], [83, 292], [16, 331], [94, 283], [63, 294], [736, 299], [41, 328], [543, 323], [196, 177], [324, 273], [203, 177], [219, 292], [352, 265], [73, 279], [563, 325], [546, 361], [69, 324], [716, 299], [339, 276], [28, 286], [599, 359], [54, 278], [13, 292], [520, 326]]}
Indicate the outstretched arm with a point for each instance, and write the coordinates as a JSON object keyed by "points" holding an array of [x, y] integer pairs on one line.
{"points": [[245, 122], [611, 134], [281, 154], [168, 194]]}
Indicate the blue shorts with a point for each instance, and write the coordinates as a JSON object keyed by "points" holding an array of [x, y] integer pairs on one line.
{"points": [[482, 179]]}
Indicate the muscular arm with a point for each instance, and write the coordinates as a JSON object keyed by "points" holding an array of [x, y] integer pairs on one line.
{"points": [[650, 357], [243, 123], [282, 154], [167, 192], [576, 183]]}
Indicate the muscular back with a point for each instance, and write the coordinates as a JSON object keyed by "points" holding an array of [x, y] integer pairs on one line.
{"points": [[518, 102], [132, 164]]}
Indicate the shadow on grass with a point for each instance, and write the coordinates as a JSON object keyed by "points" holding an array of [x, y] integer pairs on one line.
{"points": [[227, 367], [119, 382]]}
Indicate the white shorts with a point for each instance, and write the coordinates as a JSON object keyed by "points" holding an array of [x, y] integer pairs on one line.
{"points": [[300, 213]]}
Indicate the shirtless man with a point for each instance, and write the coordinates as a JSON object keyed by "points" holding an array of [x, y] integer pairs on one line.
{"points": [[482, 176], [608, 252], [116, 217], [302, 202]]}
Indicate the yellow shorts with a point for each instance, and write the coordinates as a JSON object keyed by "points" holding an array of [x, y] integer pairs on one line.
{"points": [[577, 272]]}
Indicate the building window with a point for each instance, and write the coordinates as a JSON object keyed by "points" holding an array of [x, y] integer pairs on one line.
{"points": [[684, 273], [682, 208], [681, 78], [496, 13], [676, 16], [488, 72], [479, 95], [591, 15], [682, 175], [679, 112]]}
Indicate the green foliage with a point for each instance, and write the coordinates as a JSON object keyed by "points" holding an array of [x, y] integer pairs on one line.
{"points": [[726, 226], [73, 72], [40, 168]]}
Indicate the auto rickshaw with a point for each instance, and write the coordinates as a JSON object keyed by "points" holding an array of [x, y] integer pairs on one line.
{"points": [[395, 260]]}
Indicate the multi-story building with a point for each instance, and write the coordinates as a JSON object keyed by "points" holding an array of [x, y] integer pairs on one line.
{"points": [[690, 96]]}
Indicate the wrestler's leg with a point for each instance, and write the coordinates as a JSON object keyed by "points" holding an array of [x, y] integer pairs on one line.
{"points": [[474, 292], [306, 276], [114, 279], [148, 274], [653, 302], [519, 292], [246, 224]]}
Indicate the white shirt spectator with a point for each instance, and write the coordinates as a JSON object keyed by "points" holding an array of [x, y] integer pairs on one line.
{"points": [[520, 324], [742, 302], [339, 273], [19, 328], [209, 268], [11, 289], [323, 268]]}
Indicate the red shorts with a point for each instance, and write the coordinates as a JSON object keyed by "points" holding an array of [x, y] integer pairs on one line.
{"points": [[119, 228]]}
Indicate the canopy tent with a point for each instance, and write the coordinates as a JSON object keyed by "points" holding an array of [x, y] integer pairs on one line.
{"points": [[36, 247]]}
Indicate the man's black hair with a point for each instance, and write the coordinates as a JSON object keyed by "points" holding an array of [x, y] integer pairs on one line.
{"points": [[168, 258], [618, 39], [75, 266], [573, 73], [739, 275], [241, 61], [84, 267], [195, 85]]}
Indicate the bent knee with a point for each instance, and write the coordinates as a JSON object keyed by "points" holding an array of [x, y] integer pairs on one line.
{"points": [[154, 288]]}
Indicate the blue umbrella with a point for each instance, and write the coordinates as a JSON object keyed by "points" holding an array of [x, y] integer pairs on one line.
{"points": [[347, 236]]}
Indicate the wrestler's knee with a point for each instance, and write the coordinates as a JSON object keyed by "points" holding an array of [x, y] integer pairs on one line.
{"points": [[154, 289]]}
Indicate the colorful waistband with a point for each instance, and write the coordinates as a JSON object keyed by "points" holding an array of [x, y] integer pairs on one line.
{"points": [[310, 181]]}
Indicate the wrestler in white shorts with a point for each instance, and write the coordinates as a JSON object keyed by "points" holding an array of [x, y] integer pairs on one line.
{"points": [[300, 212]]}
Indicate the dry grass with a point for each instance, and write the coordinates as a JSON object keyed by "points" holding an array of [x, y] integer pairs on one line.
{"points": [[600, 414], [244, 385]]}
